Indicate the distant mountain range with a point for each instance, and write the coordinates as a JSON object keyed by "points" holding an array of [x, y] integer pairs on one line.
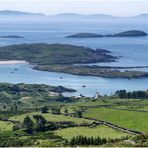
{"points": [[83, 15], [18, 13], [66, 15]]}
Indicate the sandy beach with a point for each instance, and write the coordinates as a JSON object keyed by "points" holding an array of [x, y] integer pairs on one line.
{"points": [[12, 62]]}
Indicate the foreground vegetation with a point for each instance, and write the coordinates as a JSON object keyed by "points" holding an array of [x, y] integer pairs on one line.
{"points": [[32, 115]]}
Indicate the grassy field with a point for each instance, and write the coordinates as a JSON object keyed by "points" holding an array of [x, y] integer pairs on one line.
{"points": [[6, 126], [129, 119], [101, 131], [51, 117]]}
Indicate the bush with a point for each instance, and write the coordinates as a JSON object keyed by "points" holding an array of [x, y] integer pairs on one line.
{"points": [[44, 109]]}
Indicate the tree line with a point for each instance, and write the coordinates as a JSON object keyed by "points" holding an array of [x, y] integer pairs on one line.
{"points": [[83, 140], [133, 94]]}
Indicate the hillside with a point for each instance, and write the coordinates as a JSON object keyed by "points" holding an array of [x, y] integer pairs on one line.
{"points": [[18, 13]]}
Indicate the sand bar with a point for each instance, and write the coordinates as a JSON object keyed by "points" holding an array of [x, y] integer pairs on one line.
{"points": [[12, 62]]}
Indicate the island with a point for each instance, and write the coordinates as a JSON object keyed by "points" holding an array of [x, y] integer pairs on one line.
{"points": [[85, 35], [46, 54], [11, 36], [106, 72], [130, 33], [67, 59]]}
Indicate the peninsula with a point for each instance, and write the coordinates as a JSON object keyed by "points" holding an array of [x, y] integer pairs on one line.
{"points": [[107, 72]]}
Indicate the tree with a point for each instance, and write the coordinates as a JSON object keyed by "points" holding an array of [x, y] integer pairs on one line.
{"points": [[56, 111], [79, 114], [4, 107], [41, 122], [44, 109], [66, 112], [28, 124], [16, 107], [121, 93]]}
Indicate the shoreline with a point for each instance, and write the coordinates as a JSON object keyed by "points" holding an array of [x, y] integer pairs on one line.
{"points": [[13, 62]]}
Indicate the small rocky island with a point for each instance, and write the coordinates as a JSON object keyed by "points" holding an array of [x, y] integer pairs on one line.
{"points": [[11, 36], [130, 33], [85, 35]]}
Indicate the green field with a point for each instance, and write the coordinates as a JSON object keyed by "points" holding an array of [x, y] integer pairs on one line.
{"points": [[101, 131], [6, 126], [129, 119], [51, 117]]}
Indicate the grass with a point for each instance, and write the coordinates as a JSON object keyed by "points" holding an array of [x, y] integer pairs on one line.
{"points": [[101, 131], [6, 126], [129, 119], [51, 117]]}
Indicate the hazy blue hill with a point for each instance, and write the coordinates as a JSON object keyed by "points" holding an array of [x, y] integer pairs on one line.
{"points": [[18, 13], [69, 14], [65, 15], [144, 15], [101, 16], [75, 15]]}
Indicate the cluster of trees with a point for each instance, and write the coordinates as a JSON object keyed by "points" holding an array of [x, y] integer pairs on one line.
{"points": [[28, 125], [133, 94], [83, 140], [39, 125]]}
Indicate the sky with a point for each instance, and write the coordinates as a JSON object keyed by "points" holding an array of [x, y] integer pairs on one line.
{"points": [[51, 7]]}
